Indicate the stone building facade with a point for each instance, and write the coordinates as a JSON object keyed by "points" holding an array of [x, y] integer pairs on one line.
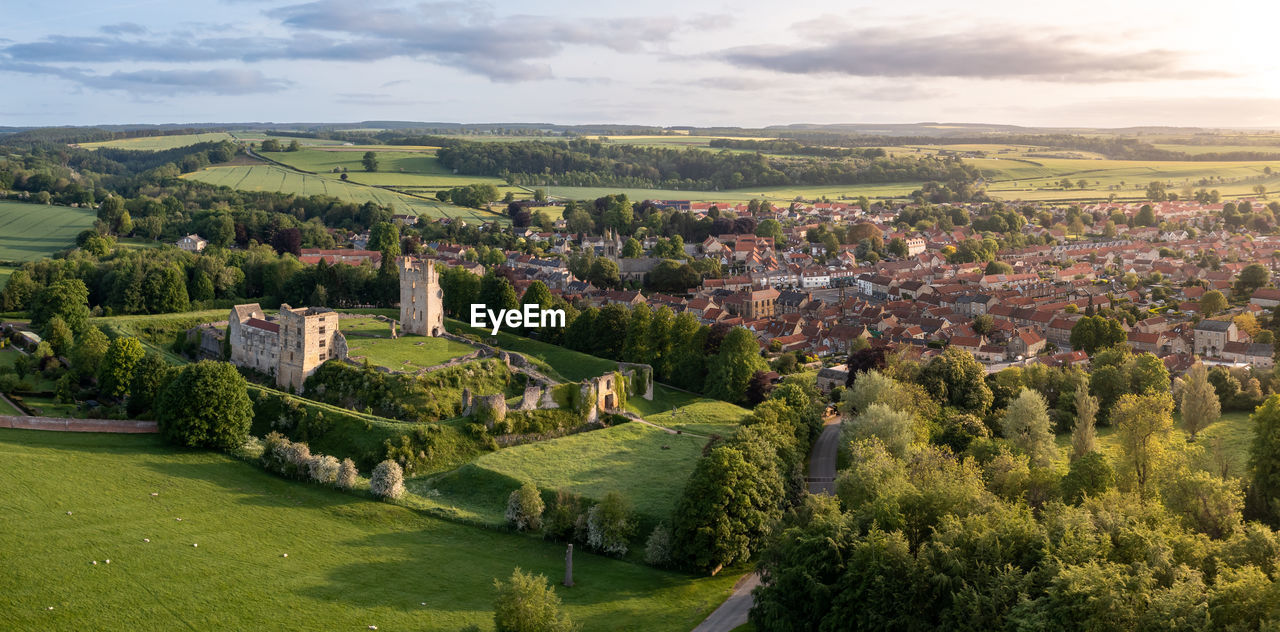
{"points": [[421, 299], [289, 347]]}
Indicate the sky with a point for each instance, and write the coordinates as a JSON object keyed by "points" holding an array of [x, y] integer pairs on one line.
{"points": [[659, 62]]}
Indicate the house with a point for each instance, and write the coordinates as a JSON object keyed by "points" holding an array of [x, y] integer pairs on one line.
{"points": [[1257, 354], [832, 377], [1267, 297], [1210, 337], [1027, 343], [192, 243]]}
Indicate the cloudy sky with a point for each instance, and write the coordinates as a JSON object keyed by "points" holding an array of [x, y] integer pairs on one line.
{"points": [[662, 62]]}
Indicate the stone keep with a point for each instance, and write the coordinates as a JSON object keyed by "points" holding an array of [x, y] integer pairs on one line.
{"points": [[421, 299], [290, 347]]}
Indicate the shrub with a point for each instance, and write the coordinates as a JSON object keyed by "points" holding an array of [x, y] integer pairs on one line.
{"points": [[347, 474], [524, 508], [657, 550], [387, 481], [561, 517], [324, 469], [295, 458], [526, 603], [609, 525]]}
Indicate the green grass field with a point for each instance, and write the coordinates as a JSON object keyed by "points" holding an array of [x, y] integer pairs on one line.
{"points": [[5, 273], [71, 499], [1234, 429], [157, 143], [34, 231], [646, 465], [371, 339], [266, 177], [410, 169]]}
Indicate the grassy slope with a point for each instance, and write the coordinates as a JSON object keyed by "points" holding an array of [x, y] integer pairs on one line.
{"points": [[34, 231], [372, 339], [648, 466], [352, 562]]}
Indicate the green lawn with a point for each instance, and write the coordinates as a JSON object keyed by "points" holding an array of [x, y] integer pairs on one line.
{"points": [[352, 563], [371, 339], [34, 231], [648, 466]]}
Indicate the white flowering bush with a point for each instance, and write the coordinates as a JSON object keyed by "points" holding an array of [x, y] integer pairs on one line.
{"points": [[387, 481]]}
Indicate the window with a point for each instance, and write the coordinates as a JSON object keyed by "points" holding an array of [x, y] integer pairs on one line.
{"points": [[322, 342], [321, 330]]}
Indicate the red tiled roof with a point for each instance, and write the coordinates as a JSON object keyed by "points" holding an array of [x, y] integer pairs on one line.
{"points": [[264, 325]]}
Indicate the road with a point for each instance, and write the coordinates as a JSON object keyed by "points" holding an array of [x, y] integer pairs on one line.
{"points": [[733, 612], [822, 474], [822, 459]]}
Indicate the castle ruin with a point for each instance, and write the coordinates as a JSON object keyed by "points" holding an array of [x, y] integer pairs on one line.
{"points": [[421, 299], [290, 346]]}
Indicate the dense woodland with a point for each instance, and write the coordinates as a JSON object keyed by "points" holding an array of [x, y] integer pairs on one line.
{"points": [[591, 163]]}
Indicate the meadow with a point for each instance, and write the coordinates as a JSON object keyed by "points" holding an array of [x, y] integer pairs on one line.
{"points": [[371, 339], [648, 466], [33, 231], [158, 143], [72, 499]]}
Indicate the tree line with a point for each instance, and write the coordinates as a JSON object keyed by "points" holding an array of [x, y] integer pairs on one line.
{"points": [[590, 163]]}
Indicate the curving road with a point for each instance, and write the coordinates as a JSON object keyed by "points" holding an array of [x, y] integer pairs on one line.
{"points": [[822, 475]]}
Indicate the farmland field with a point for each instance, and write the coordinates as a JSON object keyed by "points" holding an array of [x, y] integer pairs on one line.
{"points": [[274, 178], [72, 499], [157, 143], [258, 137], [398, 167], [33, 231]]}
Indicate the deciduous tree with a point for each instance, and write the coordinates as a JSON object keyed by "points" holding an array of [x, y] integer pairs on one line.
{"points": [[1200, 405]]}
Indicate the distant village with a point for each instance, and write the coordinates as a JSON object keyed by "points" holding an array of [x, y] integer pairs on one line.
{"points": [[798, 297]]}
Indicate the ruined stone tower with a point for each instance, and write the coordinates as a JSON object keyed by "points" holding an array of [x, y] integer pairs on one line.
{"points": [[308, 337], [421, 299]]}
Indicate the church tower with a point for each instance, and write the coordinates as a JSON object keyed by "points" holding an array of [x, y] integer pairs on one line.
{"points": [[421, 299]]}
